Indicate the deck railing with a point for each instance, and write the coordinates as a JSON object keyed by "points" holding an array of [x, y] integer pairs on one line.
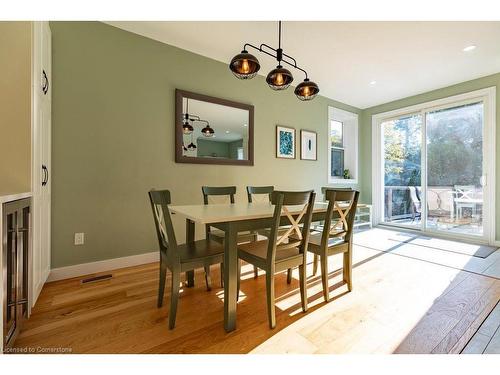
{"points": [[440, 201]]}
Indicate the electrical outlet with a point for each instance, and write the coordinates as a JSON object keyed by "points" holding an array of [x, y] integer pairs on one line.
{"points": [[79, 238]]}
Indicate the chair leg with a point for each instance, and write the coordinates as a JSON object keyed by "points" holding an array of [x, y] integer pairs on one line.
{"points": [[303, 286], [222, 275], [208, 279], [315, 265], [289, 276], [347, 269], [161, 287], [238, 281], [324, 276], [255, 272], [174, 298], [271, 315]]}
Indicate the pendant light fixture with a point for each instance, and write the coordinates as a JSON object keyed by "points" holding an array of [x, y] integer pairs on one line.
{"points": [[187, 128], [245, 66], [191, 146], [207, 131]]}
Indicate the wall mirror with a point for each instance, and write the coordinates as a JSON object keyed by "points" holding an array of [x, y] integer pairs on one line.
{"points": [[211, 130]]}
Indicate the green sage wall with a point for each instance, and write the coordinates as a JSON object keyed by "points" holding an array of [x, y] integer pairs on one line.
{"points": [[365, 134], [113, 128]]}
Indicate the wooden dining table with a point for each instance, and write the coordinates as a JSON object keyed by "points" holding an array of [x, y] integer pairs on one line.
{"points": [[234, 218]]}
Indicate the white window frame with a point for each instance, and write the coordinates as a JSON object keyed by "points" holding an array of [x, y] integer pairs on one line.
{"points": [[488, 97], [350, 124]]}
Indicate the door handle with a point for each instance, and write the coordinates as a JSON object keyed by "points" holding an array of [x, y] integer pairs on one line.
{"points": [[483, 180]]}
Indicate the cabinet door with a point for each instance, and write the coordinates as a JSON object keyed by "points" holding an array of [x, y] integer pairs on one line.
{"points": [[41, 156], [9, 272]]}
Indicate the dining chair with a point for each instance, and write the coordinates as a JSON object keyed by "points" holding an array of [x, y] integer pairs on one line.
{"points": [[218, 235], [179, 258], [253, 191], [336, 237], [416, 205], [259, 190], [282, 252]]}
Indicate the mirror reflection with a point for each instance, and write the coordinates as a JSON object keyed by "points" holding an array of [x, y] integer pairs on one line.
{"points": [[214, 131]]}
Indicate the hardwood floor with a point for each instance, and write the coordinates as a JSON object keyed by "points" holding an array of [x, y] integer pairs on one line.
{"points": [[487, 338], [398, 305]]}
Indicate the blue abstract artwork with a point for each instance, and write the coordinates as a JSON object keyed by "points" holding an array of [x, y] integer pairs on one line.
{"points": [[286, 143], [285, 147]]}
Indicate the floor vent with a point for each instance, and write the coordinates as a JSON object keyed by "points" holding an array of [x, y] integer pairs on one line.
{"points": [[96, 278]]}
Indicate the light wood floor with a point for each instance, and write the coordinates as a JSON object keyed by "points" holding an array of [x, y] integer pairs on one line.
{"points": [[398, 305], [487, 338]]}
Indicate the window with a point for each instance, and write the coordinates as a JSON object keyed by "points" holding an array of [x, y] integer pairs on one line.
{"points": [[336, 148], [240, 153], [342, 146]]}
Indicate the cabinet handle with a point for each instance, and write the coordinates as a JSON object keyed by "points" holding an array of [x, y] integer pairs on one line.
{"points": [[44, 177], [45, 84]]}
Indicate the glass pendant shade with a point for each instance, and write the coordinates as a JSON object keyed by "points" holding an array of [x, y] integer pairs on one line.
{"points": [[244, 65], [207, 131], [279, 78], [187, 128], [306, 90]]}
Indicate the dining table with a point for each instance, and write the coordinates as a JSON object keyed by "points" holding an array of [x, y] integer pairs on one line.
{"points": [[232, 219]]}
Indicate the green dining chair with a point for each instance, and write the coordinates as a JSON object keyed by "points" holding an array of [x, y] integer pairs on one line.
{"points": [[179, 258], [282, 252], [265, 190], [336, 237], [218, 235], [319, 227], [259, 190]]}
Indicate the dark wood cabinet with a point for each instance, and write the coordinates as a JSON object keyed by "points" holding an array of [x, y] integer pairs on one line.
{"points": [[16, 224]]}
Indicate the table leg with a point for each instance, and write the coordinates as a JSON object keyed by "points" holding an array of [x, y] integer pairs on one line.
{"points": [[230, 277], [189, 238]]}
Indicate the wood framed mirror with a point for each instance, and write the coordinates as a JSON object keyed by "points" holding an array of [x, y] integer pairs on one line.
{"points": [[211, 130]]}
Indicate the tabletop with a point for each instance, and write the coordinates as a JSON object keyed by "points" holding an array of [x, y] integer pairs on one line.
{"points": [[217, 213]]}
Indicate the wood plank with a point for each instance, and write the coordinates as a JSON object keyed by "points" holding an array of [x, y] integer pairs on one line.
{"points": [[494, 345], [456, 339]]}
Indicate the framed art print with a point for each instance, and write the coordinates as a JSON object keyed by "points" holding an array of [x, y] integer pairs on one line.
{"points": [[308, 145], [285, 142]]}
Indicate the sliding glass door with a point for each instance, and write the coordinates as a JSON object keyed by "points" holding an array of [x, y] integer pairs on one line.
{"points": [[455, 173], [431, 167], [402, 138]]}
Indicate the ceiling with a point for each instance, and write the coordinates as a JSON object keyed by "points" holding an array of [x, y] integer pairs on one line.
{"points": [[404, 58]]}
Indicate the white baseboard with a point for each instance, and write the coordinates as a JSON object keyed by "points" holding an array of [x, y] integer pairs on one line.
{"points": [[103, 265]]}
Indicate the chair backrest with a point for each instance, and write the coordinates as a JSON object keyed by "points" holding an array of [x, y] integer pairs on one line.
{"points": [[342, 204], [294, 236], [229, 191], [414, 199], [160, 199], [253, 190], [325, 188], [465, 191]]}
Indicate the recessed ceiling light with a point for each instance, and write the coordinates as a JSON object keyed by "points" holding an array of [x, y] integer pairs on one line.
{"points": [[227, 131], [469, 48], [373, 83], [245, 125]]}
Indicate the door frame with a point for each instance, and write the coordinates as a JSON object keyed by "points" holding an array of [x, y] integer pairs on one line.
{"points": [[488, 97]]}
